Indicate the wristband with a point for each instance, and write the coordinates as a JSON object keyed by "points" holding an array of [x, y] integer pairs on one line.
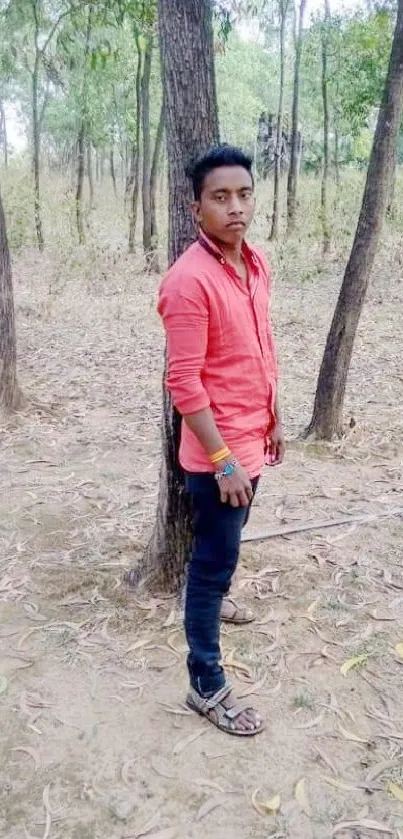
{"points": [[227, 471], [222, 454]]}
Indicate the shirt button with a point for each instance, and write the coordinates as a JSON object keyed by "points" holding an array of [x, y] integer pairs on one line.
{"points": [[222, 260]]}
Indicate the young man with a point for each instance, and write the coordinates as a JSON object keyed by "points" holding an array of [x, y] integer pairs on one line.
{"points": [[222, 375]]}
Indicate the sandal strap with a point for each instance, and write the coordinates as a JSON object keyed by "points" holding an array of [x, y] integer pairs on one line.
{"points": [[211, 703]]}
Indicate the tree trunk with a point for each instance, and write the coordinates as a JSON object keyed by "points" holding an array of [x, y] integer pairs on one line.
{"points": [[3, 124], [337, 154], [190, 101], [327, 413], [36, 152], [275, 228], [90, 175], [81, 135], [136, 152], [97, 166], [145, 119], [325, 99], [9, 392], [295, 137], [154, 261], [112, 168]]}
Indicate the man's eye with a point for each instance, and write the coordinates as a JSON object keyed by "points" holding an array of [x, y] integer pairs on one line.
{"points": [[220, 198]]}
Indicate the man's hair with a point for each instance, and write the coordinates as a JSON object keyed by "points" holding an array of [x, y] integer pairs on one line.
{"points": [[215, 158]]}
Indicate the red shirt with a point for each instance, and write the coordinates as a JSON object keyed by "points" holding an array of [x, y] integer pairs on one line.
{"points": [[221, 351]]}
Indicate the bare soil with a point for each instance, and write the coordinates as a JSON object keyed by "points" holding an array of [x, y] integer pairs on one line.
{"points": [[95, 740]]}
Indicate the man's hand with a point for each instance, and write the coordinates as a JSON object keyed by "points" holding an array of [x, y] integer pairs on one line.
{"points": [[276, 445], [237, 489]]}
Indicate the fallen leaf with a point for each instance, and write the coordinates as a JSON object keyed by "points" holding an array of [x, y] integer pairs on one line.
{"points": [[46, 805], [252, 688], [207, 808], [310, 724], [368, 824], [3, 684], [396, 791], [380, 768], [138, 645], [349, 735], [182, 744], [231, 663], [205, 782], [31, 752], [335, 782], [351, 663], [301, 797], [399, 649], [265, 808], [168, 833]]}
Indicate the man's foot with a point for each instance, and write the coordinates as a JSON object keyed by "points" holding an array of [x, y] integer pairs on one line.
{"points": [[223, 711], [231, 612]]}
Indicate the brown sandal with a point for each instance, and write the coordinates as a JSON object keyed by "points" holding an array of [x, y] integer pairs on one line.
{"points": [[226, 717], [239, 615]]}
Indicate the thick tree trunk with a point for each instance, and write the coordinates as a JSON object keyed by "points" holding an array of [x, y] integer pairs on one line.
{"points": [[81, 135], [326, 121], [36, 152], [3, 133], [327, 414], [9, 392], [90, 175], [186, 36], [295, 136], [145, 119], [153, 261], [275, 227], [136, 152]]}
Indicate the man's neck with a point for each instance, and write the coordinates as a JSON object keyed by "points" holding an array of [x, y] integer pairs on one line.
{"points": [[233, 252]]}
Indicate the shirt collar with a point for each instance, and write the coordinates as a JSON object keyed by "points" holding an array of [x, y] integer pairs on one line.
{"points": [[213, 247]]}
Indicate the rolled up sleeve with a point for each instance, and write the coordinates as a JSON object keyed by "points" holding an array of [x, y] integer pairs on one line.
{"points": [[185, 319]]}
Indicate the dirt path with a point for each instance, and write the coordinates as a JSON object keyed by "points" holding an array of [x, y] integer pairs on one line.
{"points": [[95, 742]]}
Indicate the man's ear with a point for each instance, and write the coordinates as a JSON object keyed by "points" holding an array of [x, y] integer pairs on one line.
{"points": [[196, 211]]}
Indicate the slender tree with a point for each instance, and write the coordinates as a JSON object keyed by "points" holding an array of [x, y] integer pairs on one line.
{"points": [[157, 154], [327, 413], [186, 39], [135, 154], [326, 128], [145, 119], [9, 391], [283, 8], [82, 131], [295, 133]]}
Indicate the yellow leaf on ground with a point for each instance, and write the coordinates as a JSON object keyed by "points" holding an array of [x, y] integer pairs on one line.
{"points": [[399, 649], [351, 663], [349, 735], [396, 791], [266, 808], [301, 797]]}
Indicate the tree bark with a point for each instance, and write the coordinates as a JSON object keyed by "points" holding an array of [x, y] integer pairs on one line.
{"points": [[136, 151], [90, 175], [326, 121], [295, 137], [327, 414], [154, 261], [3, 124], [190, 101], [36, 147], [9, 391], [146, 180], [81, 135], [112, 167], [275, 227]]}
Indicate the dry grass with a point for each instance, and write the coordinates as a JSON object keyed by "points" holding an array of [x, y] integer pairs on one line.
{"points": [[95, 741]]}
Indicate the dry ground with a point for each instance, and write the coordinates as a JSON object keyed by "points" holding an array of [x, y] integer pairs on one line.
{"points": [[95, 742]]}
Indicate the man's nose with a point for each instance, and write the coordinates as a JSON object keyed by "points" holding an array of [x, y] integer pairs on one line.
{"points": [[235, 206]]}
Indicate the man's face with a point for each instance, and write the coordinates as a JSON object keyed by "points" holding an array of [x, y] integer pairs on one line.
{"points": [[227, 203]]}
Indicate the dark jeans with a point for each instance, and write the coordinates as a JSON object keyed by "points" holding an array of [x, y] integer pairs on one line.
{"points": [[216, 541]]}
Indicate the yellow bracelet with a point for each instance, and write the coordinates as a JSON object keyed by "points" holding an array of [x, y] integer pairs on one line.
{"points": [[220, 455]]}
